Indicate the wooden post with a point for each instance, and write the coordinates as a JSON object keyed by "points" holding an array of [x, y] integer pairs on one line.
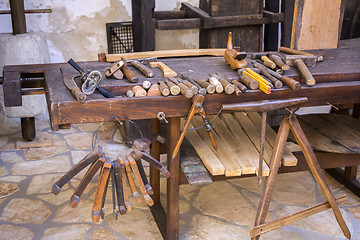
{"points": [[18, 16], [172, 221]]}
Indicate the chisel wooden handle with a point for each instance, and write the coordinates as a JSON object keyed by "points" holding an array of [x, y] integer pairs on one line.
{"points": [[140, 182], [228, 87], [277, 83], [168, 72], [268, 62], [130, 178], [119, 187], [185, 90], [139, 91], [104, 175], [218, 86], [192, 80], [208, 86], [90, 158], [291, 83], [128, 73], [75, 198], [278, 61], [142, 68], [124, 185], [249, 82], [149, 189], [193, 88], [165, 91], [304, 71], [154, 90], [238, 84], [174, 89]]}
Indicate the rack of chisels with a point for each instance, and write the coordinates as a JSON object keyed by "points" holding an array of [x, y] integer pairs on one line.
{"points": [[127, 176]]}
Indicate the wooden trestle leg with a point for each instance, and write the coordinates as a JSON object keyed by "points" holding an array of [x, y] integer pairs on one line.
{"points": [[292, 123]]}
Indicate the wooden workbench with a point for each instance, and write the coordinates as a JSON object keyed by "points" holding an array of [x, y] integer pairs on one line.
{"points": [[338, 83]]}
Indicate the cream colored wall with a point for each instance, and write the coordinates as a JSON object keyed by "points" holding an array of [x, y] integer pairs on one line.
{"points": [[76, 28]]}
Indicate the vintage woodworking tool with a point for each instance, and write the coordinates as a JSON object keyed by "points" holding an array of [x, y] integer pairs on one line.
{"points": [[130, 93], [100, 190], [191, 86], [247, 81], [192, 80], [228, 87], [238, 85], [234, 58], [75, 198], [148, 188], [114, 70], [168, 72], [215, 81], [301, 62], [118, 185], [196, 107], [142, 68], [139, 180], [113, 189], [139, 91], [131, 181], [73, 87], [146, 84], [124, 185], [264, 85], [278, 61], [319, 57], [165, 91], [291, 83], [87, 160], [263, 107], [90, 79], [263, 56], [174, 89], [184, 90], [131, 77], [154, 90], [208, 86], [102, 209], [277, 83]]}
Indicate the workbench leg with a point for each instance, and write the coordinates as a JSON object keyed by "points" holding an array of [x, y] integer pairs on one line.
{"points": [[275, 163], [172, 220], [316, 171]]}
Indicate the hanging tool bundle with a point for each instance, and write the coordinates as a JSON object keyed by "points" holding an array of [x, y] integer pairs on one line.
{"points": [[122, 172]]}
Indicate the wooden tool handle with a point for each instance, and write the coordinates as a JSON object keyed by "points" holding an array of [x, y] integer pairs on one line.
{"points": [[168, 72], [119, 187], [268, 62], [75, 198], [205, 84], [238, 84], [291, 83], [87, 160], [78, 94], [165, 91], [139, 91], [130, 93], [154, 90], [192, 80], [131, 180], [304, 71], [128, 73], [278, 61], [124, 185], [294, 51], [146, 84], [104, 175], [218, 86], [193, 88], [174, 89], [185, 90], [277, 83], [228, 87], [142, 68], [149, 189], [249, 82]]}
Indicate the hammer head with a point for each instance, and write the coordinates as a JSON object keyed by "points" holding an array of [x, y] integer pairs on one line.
{"points": [[258, 55], [309, 61]]}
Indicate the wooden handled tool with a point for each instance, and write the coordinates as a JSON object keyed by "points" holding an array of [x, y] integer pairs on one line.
{"points": [[277, 83], [113, 189], [124, 185], [119, 187], [193, 88], [146, 84], [88, 159], [165, 91], [131, 180], [149, 189], [139, 180], [174, 89], [184, 89], [214, 81], [114, 70], [128, 73], [247, 81], [168, 72], [278, 61], [142, 68], [301, 62], [319, 57], [239, 87], [104, 175], [228, 87], [263, 56], [75, 90], [75, 198], [139, 91], [154, 90], [193, 81], [291, 83], [102, 209], [208, 86], [234, 58]]}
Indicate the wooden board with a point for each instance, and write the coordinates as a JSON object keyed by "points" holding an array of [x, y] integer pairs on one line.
{"points": [[316, 24], [332, 132], [288, 158]]}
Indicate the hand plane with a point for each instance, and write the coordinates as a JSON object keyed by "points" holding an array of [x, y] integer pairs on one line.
{"points": [[234, 58]]}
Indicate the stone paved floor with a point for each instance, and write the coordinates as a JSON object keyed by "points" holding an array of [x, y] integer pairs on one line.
{"points": [[28, 209]]}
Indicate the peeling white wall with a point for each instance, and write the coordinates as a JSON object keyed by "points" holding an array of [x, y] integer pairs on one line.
{"points": [[76, 28]]}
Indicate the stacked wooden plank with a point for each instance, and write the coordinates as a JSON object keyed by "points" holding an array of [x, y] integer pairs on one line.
{"points": [[237, 137]]}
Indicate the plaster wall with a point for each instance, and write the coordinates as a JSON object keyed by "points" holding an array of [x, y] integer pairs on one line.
{"points": [[76, 28]]}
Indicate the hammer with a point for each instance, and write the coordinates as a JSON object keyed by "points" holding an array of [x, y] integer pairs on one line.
{"points": [[301, 62]]}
